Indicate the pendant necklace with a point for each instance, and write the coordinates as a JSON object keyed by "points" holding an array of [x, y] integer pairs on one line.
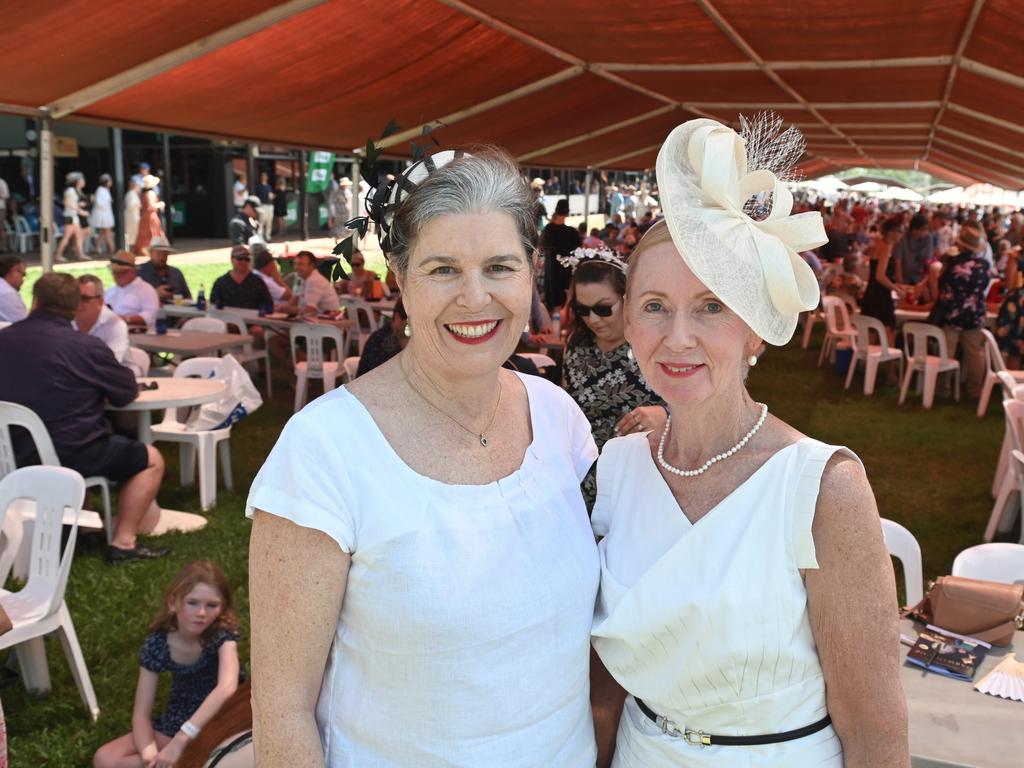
{"points": [[481, 436], [714, 459]]}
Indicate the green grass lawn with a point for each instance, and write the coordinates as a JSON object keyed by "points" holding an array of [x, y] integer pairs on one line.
{"points": [[931, 471]]}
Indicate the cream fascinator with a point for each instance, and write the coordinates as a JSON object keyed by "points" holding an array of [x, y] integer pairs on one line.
{"points": [[728, 212]]}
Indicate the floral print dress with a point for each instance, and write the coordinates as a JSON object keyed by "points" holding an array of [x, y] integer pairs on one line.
{"points": [[962, 289], [606, 386], [1010, 323]]}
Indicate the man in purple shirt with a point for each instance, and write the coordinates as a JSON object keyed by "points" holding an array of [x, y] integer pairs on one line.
{"points": [[66, 378]]}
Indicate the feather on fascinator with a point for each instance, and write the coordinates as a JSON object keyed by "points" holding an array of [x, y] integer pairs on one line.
{"points": [[728, 210], [580, 255]]}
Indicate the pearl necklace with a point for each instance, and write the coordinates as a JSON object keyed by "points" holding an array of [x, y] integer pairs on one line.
{"points": [[714, 459]]}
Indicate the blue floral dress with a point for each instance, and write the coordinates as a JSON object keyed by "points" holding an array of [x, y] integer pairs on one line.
{"points": [[962, 288], [1010, 323], [190, 683]]}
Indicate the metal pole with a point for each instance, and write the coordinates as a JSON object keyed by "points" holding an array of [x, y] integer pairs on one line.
{"points": [[250, 166], [303, 198], [587, 180], [356, 170], [166, 189], [46, 191], [117, 142]]}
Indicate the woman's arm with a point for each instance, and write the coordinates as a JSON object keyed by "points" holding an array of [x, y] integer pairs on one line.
{"points": [[227, 684], [880, 271], [142, 723], [297, 579], [607, 699], [854, 616]]}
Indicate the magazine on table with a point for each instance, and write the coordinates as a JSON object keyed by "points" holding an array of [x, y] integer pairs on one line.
{"points": [[947, 653]]}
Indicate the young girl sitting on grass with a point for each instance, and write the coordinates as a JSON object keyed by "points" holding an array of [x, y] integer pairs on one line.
{"points": [[195, 638]]}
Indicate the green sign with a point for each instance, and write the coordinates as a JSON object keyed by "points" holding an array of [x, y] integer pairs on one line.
{"points": [[178, 213], [319, 171], [292, 216]]}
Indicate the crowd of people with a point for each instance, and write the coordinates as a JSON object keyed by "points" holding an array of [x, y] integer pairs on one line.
{"points": [[499, 529]]}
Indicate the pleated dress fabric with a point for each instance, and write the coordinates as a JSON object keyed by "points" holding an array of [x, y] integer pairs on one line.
{"points": [[707, 622]]}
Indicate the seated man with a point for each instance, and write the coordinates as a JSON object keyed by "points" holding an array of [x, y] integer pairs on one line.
{"points": [[67, 378], [240, 287], [168, 280], [97, 319], [265, 268], [131, 297], [12, 275], [316, 295]]}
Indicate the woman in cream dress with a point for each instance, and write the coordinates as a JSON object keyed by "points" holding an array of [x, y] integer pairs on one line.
{"points": [[747, 601]]}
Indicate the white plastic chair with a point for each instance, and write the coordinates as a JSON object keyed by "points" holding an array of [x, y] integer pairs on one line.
{"points": [[351, 368], [873, 354], [138, 361], [839, 333], [904, 547], [198, 446], [316, 365], [38, 609], [205, 325], [816, 315], [928, 367], [24, 234], [991, 562], [14, 415], [1011, 391], [996, 365], [361, 312], [248, 353], [1009, 498]]}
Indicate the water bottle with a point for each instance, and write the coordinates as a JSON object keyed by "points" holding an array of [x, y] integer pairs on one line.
{"points": [[201, 299], [556, 322], [161, 322]]}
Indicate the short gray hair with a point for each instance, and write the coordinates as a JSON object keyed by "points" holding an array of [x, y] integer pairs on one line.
{"points": [[486, 181], [91, 280]]}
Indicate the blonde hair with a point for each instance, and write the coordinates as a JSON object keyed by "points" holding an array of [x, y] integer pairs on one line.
{"points": [[656, 235]]}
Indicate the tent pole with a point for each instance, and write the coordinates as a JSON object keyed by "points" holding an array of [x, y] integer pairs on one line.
{"points": [[303, 198], [117, 142], [356, 170], [587, 180], [165, 189], [46, 191]]}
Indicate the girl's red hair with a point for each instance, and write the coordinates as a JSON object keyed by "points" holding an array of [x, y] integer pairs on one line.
{"points": [[197, 572]]}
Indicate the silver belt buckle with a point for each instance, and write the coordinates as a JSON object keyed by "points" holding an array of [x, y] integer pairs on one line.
{"points": [[668, 727], [696, 738]]}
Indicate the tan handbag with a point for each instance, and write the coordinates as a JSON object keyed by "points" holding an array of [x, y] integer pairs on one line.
{"points": [[986, 610]]}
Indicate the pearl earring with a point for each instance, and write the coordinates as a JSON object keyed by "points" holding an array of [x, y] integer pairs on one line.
{"points": [[752, 361], [629, 354], [526, 329], [408, 329]]}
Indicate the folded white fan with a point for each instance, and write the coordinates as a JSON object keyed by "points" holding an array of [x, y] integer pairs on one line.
{"points": [[1005, 681]]}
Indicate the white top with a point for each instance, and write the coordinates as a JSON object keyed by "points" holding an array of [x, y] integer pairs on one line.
{"points": [[136, 298], [112, 331], [276, 291], [12, 308], [102, 213], [5, 193], [463, 637], [69, 202], [239, 193], [317, 292], [707, 622]]}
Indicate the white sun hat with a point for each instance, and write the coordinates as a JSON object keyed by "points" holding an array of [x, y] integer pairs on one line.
{"points": [[711, 179]]}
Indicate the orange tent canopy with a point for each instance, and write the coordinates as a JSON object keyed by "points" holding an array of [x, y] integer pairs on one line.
{"points": [[936, 86]]}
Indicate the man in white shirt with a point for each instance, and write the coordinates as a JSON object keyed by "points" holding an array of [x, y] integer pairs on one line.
{"points": [[12, 275], [131, 297], [316, 294], [265, 268], [239, 191], [97, 319]]}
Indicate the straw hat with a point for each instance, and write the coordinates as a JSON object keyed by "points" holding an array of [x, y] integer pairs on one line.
{"points": [[161, 244], [344, 181], [752, 264], [149, 181], [537, 183], [970, 239], [123, 259]]}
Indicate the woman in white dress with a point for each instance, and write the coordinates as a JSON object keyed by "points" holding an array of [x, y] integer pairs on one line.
{"points": [[101, 218], [747, 601], [132, 212], [422, 568]]}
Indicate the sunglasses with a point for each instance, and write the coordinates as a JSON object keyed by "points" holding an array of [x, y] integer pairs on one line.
{"points": [[241, 258], [601, 310], [83, 297]]}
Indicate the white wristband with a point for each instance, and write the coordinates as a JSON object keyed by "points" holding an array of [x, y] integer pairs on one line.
{"points": [[189, 730]]}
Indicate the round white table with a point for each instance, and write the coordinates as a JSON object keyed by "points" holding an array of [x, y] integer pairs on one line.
{"points": [[171, 393]]}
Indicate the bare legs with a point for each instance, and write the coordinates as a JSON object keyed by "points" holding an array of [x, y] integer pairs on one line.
{"points": [[137, 495]]}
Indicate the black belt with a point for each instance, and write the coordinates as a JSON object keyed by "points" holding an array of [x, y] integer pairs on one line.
{"points": [[709, 740]]}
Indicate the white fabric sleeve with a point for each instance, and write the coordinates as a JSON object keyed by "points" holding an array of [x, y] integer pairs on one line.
{"points": [[584, 449], [601, 517], [805, 502], [150, 302], [305, 480]]}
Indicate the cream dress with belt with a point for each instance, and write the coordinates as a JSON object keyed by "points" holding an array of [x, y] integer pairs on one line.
{"points": [[707, 622]]}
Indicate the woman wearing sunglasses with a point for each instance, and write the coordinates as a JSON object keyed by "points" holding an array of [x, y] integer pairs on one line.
{"points": [[600, 372]]}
